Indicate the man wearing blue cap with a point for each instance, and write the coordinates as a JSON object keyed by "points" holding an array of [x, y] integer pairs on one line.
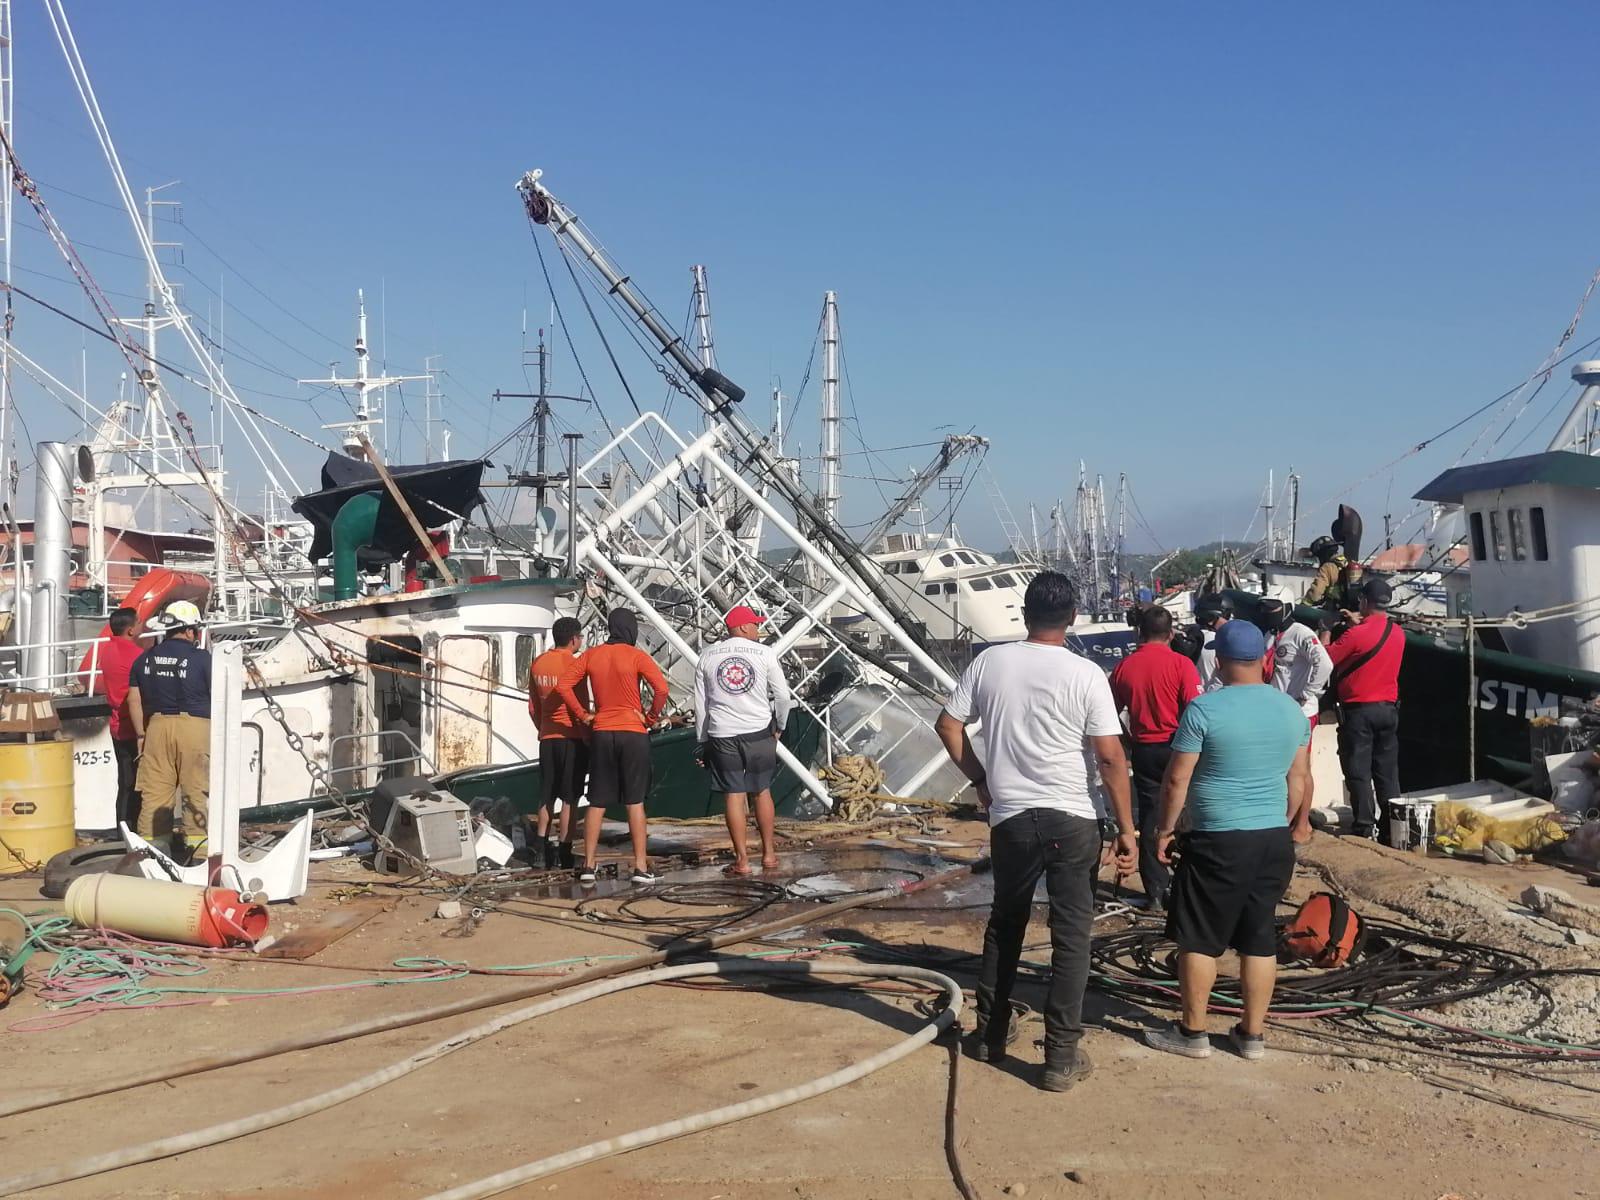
{"points": [[1241, 761]]}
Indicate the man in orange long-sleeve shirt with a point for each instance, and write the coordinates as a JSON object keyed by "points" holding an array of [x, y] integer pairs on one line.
{"points": [[619, 748], [563, 740]]}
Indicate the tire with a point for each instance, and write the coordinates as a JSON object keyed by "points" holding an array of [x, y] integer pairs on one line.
{"points": [[94, 859]]}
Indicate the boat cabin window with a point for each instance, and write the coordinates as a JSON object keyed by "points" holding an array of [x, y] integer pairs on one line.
{"points": [[931, 589], [1517, 527], [980, 584], [1541, 544], [948, 560], [1497, 534], [1004, 581], [950, 588], [1479, 551], [527, 650]]}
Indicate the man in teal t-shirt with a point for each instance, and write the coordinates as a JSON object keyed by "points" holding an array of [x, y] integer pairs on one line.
{"points": [[1241, 760]]}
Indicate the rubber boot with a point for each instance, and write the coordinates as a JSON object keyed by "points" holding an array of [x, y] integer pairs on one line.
{"points": [[565, 858], [982, 1048]]}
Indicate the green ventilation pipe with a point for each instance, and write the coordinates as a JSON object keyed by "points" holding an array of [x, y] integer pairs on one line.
{"points": [[353, 528]]}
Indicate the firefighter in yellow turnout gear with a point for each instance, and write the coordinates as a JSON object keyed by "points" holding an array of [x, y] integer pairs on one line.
{"points": [[169, 698]]}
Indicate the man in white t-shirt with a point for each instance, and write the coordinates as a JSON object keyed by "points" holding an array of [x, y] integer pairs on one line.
{"points": [[741, 704], [1052, 755]]}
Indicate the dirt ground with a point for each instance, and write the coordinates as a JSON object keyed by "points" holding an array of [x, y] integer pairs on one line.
{"points": [[1301, 1122]]}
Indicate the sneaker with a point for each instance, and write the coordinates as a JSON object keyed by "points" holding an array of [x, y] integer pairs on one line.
{"points": [[567, 859], [1174, 1040], [643, 876], [1061, 1078], [1366, 832], [586, 875], [1250, 1046]]}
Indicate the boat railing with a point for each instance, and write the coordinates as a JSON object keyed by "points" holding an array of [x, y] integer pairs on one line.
{"points": [[419, 761], [63, 675], [75, 662]]}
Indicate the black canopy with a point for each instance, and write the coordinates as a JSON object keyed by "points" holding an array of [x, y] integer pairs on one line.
{"points": [[436, 492]]}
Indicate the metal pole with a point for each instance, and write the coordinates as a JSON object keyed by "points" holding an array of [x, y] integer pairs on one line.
{"points": [[828, 485], [572, 440], [1272, 549], [1472, 701], [1294, 513], [6, 119], [541, 421]]}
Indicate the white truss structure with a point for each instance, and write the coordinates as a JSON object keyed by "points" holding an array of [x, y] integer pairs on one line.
{"points": [[663, 547]]}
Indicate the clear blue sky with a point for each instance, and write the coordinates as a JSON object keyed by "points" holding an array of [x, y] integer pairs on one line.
{"points": [[1188, 242]]}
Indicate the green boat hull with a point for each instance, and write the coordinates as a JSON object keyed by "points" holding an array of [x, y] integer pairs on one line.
{"points": [[1445, 737], [681, 789]]}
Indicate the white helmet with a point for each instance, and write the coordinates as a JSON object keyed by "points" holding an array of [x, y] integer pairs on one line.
{"points": [[181, 614]]}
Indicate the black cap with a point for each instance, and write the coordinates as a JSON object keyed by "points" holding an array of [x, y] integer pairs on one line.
{"points": [[1377, 592]]}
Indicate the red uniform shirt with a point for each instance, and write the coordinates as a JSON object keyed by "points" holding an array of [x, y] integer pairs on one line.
{"points": [[614, 672], [550, 672], [1154, 683], [112, 658], [1378, 679]]}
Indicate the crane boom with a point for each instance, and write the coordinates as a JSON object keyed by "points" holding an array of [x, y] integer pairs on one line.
{"points": [[718, 396], [956, 446]]}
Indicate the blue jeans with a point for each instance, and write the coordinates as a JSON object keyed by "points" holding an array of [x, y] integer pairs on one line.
{"points": [[1066, 850]]}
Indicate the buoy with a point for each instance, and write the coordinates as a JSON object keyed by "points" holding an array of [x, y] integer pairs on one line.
{"points": [[165, 912]]}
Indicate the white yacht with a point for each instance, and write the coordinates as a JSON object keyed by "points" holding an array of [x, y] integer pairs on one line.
{"points": [[957, 592]]}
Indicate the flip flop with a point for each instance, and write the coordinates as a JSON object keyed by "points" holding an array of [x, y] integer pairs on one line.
{"points": [[736, 870]]}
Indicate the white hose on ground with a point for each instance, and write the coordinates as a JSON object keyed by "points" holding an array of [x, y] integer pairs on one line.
{"points": [[243, 1126]]}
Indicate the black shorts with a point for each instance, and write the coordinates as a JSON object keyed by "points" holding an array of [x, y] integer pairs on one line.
{"points": [[743, 763], [1226, 890], [619, 768], [563, 770]]}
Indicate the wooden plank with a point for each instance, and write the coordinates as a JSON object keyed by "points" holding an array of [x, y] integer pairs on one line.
{"points": [[317, 936], [423, 539]]}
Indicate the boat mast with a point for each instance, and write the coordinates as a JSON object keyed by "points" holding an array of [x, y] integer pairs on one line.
{"points": [[365, 384], [1294, 513], [1577, 431], [1272, 541], [704, 350], [828, 489], [429, 396], [1122, 533]]}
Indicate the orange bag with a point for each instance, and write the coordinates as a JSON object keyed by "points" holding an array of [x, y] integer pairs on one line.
{"points": [[1325, 931]]}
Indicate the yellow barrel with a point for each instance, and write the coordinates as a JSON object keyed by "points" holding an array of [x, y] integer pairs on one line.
{"points": [[36, 799]]}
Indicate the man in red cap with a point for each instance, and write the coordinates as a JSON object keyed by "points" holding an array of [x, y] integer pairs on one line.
{"points": [[741, 704]]}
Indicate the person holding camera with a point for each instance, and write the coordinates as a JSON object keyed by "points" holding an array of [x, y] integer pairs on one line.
{"points": [[1366, 680]]}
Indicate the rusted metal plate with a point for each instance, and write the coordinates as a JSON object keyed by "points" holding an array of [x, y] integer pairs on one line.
{"points": [[327, 929]]}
